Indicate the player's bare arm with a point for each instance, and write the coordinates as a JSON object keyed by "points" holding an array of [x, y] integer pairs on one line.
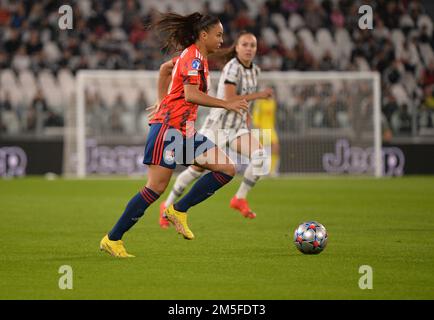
{"points": [[164, 78], [194, 95], [231, 93]]}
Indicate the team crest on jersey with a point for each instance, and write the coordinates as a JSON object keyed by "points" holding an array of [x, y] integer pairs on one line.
{"points": [[196, 64], [169, 156]]}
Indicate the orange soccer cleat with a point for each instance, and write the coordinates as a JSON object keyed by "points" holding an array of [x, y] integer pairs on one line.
{"points": [[164, 223], [242, 206]]}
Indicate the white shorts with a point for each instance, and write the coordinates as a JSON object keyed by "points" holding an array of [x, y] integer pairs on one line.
{"points": [[221, 136]]}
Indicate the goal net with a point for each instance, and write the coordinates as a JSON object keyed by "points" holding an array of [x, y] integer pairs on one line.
{"points": [[326, 122]]}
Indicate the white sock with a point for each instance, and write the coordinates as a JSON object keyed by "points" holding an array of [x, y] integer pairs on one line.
{"points": [[182, 181], [249, 181]]}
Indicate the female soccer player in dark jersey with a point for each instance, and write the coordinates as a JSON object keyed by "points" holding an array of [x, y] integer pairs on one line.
{"points": [[172, 138]]}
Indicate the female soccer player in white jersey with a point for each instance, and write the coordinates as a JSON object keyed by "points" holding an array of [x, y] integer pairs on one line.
{"points": [[238, 80]]}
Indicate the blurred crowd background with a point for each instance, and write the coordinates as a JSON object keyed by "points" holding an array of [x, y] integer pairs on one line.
{"points": [[38, 61]]}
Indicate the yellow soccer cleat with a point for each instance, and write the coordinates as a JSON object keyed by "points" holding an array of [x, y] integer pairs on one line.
{"points": [[115, 248], [179, 219]]}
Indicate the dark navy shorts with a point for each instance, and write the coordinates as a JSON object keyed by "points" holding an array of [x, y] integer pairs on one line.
{"points": [[167, 146]]}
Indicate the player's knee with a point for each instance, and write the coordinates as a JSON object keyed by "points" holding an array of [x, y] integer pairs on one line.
{"points": [[157, 187], [259, 162]]}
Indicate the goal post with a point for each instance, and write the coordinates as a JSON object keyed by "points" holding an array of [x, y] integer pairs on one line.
{"points": [[322, 117], [287, 81], [76, 132]]}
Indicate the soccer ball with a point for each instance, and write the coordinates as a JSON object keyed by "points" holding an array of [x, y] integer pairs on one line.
{"points": [[310, 237]]}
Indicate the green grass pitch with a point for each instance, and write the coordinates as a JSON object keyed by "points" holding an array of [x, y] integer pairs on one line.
{"points": [[387, 224]]}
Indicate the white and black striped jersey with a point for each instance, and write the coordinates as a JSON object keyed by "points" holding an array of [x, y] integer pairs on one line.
{"points": [[246, 81]]}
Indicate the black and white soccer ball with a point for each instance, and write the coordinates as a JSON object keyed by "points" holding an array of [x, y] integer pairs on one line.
{"points": [[310, 237]]}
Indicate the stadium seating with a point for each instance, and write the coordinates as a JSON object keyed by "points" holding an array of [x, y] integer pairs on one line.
{"points": [[103, 41]]}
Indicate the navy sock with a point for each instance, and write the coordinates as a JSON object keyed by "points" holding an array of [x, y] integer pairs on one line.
{"points": [[202, 189], [134, 210]]}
